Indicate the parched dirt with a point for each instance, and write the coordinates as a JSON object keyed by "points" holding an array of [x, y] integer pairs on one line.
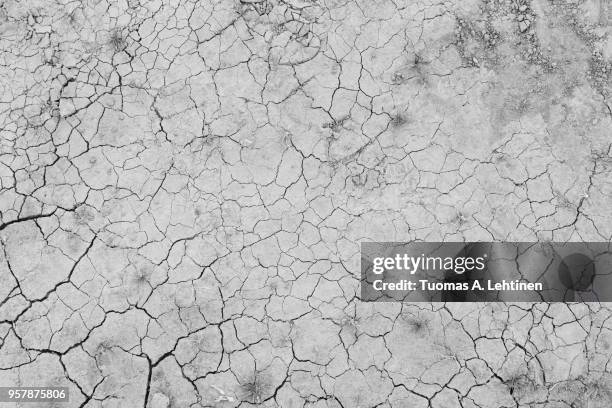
{"points": [[184, 186]]}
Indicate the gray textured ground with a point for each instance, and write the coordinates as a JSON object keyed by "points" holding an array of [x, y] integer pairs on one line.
{"points": [[184, 186]]}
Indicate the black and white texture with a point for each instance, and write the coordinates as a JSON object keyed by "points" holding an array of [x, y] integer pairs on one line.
{"points": [[185, 184]]}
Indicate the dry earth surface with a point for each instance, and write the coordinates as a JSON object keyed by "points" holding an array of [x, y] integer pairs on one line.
{"points": [[184, 186]]}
